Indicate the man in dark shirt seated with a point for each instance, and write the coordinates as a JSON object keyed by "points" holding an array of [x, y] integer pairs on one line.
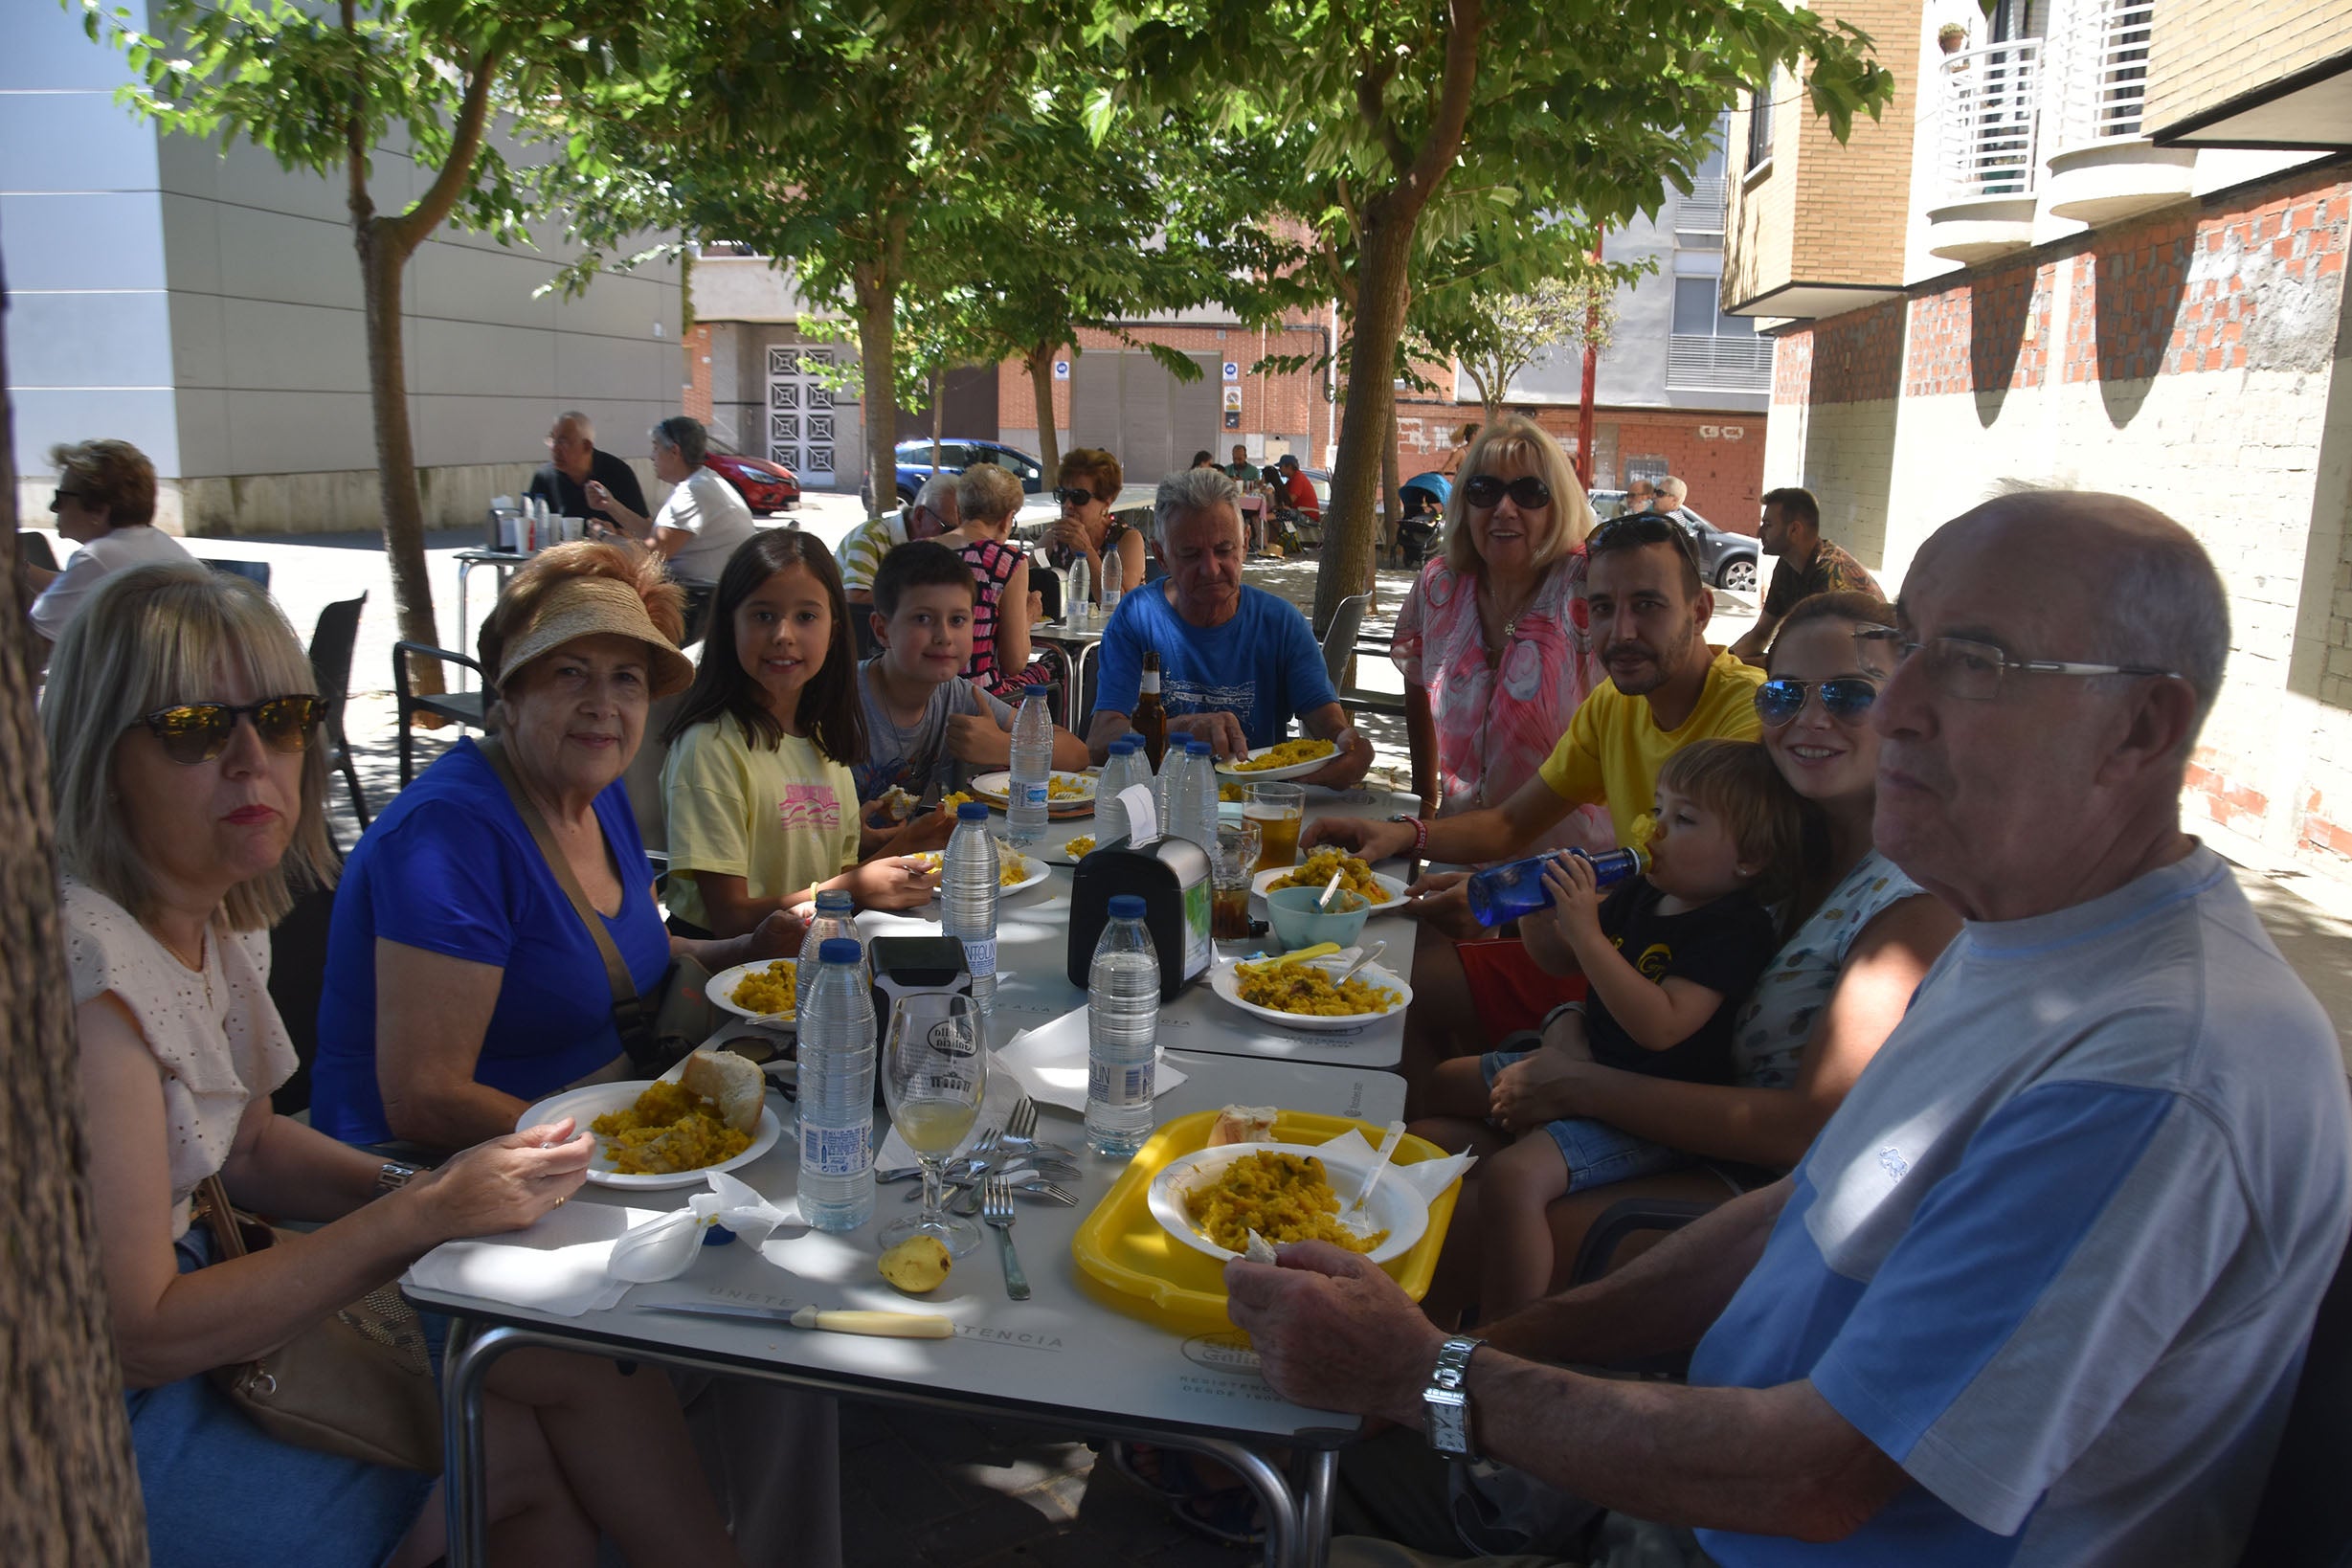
{"points": [[562, 482]]}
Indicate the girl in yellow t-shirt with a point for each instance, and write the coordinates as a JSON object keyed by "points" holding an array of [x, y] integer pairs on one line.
{"points": [[762, 810]]}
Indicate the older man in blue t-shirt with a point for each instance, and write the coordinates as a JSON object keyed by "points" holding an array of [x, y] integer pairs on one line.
{"points": [[1237, 663]]}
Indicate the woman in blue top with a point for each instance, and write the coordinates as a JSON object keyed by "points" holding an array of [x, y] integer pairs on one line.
{"points": [[460, 984]]}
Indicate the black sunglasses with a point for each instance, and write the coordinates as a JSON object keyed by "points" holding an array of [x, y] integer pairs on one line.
{"points": [[1843, 697], [193, 732], [1073, 496], [1635, 528], [1487, 490]]}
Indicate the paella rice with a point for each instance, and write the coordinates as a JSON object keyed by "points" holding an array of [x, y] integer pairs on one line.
{"points": [[1012, 866], [768, 989], [1278, 1194], [1322, 865], [1305, 749], [1307, 989], [668, 1130]]}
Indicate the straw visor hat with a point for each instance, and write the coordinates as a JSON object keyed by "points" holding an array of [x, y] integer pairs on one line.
{"points": [[592, 607]]}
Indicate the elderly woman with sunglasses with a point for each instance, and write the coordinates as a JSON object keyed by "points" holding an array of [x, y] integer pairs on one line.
{"points": [[181, 723], [1087, 487], [1866, 936], [1492, 641], [106, 503]]}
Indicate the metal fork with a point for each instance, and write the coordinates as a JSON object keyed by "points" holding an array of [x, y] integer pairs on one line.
{"points": [[996, 1208], [1021, 1122]]}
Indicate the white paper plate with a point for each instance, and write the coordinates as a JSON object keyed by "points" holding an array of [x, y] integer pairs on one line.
{"points": [[1227, 773], [1395, 1207], [995, 790], [585, 1104], [1039, 869], [722, 993], [1228, 985], [1391, 886]]}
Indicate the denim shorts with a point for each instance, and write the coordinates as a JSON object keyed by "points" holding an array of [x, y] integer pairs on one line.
{"points": [[219, 1490], [1596, 1154]]}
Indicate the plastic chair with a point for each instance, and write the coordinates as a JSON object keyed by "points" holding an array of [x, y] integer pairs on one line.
{"points": [[1339, 637], [34, 546], [252, 572], [330, 662], [463, 706]]}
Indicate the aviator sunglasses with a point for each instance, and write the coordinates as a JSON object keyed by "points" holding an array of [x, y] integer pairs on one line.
{"points": [[1488, 491], [193, 732], [1846, 697], [1073, 496]]}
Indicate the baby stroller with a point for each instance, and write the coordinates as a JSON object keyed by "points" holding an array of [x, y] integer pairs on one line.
{"points": [[1425, 497]]}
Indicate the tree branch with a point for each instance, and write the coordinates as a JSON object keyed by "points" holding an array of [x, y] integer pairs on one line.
{"points": [[1372, 105], [355, 138], [414, 227], [1468, 22]]}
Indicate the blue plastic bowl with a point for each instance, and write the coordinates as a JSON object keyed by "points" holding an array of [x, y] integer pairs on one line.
{"points": [[1298, 924]]}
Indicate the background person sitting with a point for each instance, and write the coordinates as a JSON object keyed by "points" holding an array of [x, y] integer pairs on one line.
{"points": [[702, 520], [1237, 663], [986, 498], [574, 464], [1087, 486], [863, 547], [182, 730], [461, 985], [106, 503]]}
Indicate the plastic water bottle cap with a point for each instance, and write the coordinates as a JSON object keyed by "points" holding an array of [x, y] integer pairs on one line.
{"points": [[972, 811], [1128, 743], [838, 950], [1196, 746], [1126, 906], [836, 901]]}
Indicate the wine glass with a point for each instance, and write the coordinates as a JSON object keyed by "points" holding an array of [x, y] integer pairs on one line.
{"points": [[934, 1072]]}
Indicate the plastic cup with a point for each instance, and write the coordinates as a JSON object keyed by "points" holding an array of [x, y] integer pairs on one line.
{"points": [[1279, 810]]}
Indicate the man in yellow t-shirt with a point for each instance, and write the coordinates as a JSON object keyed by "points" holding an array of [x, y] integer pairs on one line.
{"points": [[1666, 687]]}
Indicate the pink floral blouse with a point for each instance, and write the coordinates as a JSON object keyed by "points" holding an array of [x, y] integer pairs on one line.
{"points": [[1496, 724]]}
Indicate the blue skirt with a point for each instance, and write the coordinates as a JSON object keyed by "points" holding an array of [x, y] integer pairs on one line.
{"points": [[219, 1490]]}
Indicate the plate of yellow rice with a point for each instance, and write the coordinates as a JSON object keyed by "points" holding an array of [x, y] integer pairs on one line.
{"points": [[1284, 1192], [1306, 995], [764, 992], [655, 1133]]}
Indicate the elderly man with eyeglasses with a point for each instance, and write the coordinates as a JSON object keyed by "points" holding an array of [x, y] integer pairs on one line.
{"points": [[2039, 1291]]}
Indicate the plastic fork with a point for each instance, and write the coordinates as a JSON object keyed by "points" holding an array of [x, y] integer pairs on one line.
{"points": [[996, 1208]]}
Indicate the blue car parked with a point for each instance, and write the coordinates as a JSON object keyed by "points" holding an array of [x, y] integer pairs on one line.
{"points": [[956, 455]]}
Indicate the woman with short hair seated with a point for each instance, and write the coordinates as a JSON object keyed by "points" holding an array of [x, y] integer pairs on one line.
{"points": [[462, 984], [106, 503], [182, 722]]}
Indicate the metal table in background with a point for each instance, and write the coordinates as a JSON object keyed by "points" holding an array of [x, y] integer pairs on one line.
{"points": [[1080, 646], [503, 562]]}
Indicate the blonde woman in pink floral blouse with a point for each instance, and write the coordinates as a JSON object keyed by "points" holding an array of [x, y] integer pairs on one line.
{"points": [[1496, 656]]}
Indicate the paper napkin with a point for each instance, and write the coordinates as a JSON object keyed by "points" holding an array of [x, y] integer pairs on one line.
{"points": [[558, 1266], [664, 1247], [1050, 1062]]}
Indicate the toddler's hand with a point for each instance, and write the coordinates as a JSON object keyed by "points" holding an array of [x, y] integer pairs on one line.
{"points": [[1576, 897]]}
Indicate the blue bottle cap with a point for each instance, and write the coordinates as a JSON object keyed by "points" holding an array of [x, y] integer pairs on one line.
{"points": [[972, 811], [1196, 746], [838, 950], [836, 901], [1128, 743], [1126, 906]]}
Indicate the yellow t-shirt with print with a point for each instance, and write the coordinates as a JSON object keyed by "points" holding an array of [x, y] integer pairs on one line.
{"points": [[780, 819], [1614, 748]]}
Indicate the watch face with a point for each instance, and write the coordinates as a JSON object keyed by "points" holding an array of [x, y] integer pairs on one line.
{"points": [[1449, 1425]]}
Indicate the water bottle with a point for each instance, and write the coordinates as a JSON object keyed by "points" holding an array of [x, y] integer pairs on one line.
{"points": [[1164, 792], [1119, 770], [968, 898], [1122, 1029], [1504, 892], [1111, 584], [1193, 797], [836, 916], [1078, 595], [837, 1092], [1033, 768]]}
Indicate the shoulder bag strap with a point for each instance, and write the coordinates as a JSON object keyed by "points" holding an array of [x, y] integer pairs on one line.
{"points": [[220, 1218], [630, 1014]]}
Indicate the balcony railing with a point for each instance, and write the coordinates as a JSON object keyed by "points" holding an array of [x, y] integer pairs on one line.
{"points": [[1697, 363], [1992, 130], [2102, 58]]}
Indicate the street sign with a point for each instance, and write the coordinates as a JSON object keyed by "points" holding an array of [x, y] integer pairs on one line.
{"points": [[1062, 370], [1233, 418], [1233, 400], [1232, 371]]}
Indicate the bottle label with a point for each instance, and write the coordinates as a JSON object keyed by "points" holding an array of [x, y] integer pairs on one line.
{"points": [[1119, 1086], [1150, 682], [1032, 795], [836, 1150], [980, 957]]}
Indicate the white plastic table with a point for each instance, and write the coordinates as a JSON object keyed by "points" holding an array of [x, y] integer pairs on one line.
{"points": [[1073, 1355]]}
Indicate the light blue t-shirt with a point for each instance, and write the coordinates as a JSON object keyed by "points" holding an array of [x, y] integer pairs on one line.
{"points": [[1262, 666], [2057, 1252]]}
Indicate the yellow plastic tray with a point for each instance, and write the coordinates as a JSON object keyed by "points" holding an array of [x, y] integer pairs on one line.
{"points": [[1152, 1275]]}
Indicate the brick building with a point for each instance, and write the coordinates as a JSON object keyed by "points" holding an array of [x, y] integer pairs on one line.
{"points": [[2121, 268]]}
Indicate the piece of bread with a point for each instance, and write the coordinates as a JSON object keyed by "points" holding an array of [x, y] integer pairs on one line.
{"points": [[731, 1082], [1242, 1124]]}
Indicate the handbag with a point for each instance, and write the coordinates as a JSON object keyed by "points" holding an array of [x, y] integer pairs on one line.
{"points": [[358, 1382], [656, 1030]]}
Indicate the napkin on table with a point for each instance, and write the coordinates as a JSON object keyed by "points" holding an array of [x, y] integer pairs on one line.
{"points": [[1429, 1178], [663, 1246], [557, 1265], [1050, 1062]]}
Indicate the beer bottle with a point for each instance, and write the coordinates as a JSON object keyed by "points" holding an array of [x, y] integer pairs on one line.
{"points": [[1150, 719]]}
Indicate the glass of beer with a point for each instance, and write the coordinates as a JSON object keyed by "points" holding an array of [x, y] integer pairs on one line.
{"points": [[1279, 810], [1239, 845]]}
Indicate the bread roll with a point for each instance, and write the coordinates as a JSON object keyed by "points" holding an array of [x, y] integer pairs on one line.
{"points": [[732, 1082], [1242, 1124]]}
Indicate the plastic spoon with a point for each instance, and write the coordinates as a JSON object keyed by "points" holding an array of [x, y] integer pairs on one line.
{"points": [[1325, 902], [1368, 956], [1379, 1166]]}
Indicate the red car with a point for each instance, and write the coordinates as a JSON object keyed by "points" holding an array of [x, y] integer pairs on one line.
{"points": [[765, 486]]}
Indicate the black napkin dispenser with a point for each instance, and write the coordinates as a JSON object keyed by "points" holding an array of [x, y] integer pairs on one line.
{"points": [[903, 965], [1171, 878]]}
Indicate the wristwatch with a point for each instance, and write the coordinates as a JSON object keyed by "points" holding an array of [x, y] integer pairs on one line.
{"points": [[1446, 1403], [394, 1176]]}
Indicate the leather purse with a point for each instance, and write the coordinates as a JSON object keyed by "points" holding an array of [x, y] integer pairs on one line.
{"points": [[358, 1382]]}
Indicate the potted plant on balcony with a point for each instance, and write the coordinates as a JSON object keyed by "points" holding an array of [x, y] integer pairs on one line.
{"points": [[1952, 37]]}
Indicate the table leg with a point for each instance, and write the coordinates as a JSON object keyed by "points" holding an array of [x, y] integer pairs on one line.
{"points": [[1282, 1546], [1086, 651], [465, 1362], [1316, 1507], [465, 570]]}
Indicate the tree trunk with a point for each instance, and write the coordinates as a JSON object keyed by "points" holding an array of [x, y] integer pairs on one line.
{"points": [[1349, 535], [380, 266], [875, 286], [1042, 384], [69, 1489]]}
